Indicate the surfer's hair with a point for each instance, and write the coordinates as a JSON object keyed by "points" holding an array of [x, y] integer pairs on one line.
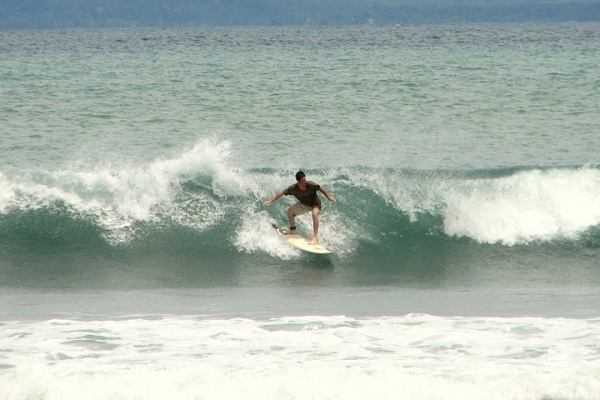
{"points": [[300, 175]]}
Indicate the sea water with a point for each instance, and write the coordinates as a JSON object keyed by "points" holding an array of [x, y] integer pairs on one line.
{"points": [[138, 262]]}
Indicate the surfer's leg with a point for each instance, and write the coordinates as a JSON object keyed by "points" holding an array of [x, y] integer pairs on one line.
{"points": [[315, 216], [294, 211], [292, 220]]}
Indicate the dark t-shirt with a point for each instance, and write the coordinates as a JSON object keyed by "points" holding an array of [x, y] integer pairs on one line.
{"points": [[307, 197]]}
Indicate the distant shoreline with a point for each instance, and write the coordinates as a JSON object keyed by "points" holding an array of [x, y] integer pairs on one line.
{"points": [[62, 14]]}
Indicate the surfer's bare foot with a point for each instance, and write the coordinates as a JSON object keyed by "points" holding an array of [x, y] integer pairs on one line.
{"points": [[313, 241]]}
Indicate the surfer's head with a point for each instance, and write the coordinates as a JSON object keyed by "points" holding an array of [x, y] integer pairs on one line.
{"points": [[300, 175]]}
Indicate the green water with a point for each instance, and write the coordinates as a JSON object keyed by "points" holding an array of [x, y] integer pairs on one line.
{"points": [[458, 97]]}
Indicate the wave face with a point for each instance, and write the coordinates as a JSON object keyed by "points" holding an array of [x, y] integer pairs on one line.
{"points": [[200, 203]]}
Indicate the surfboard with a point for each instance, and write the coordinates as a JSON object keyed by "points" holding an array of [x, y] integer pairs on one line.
{"points": [[301, 242]]}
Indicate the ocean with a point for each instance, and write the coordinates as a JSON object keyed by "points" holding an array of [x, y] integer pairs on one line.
{"points": [[137, 260]]}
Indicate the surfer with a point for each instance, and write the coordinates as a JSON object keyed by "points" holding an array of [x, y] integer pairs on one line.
{"points": [[308, 201]]}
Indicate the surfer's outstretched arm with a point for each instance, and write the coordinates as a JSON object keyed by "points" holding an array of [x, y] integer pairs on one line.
{"points": [[275, 198], [329, 197]]}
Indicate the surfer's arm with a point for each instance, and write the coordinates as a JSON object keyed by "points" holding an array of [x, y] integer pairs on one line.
{"points": [[329, 197], [275, 198]]}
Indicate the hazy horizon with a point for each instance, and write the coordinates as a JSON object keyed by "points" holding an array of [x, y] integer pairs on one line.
{"points": [[41, 14]]}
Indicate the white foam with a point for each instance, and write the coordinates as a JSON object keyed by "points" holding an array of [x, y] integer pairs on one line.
{"points": [[531, 205], [256, 234], [120, 197], [528, 206], [412, 357]]}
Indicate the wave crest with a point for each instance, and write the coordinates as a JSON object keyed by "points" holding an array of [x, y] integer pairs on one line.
{"points": [[202, 190]]}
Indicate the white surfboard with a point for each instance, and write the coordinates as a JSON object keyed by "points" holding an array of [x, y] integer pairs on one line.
{"points": [[301, 242]]}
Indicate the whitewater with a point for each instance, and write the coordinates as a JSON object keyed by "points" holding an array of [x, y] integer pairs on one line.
{"points": [[413, 357], [137, 260]]}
